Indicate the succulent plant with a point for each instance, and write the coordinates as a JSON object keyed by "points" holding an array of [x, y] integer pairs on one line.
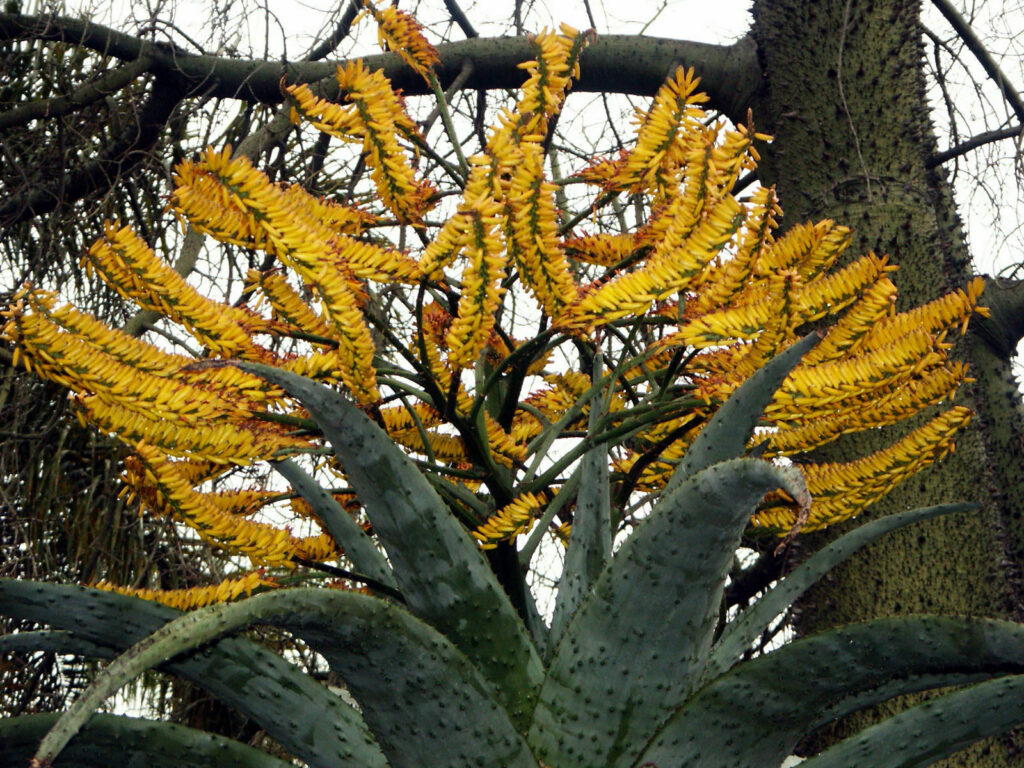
{"points": [[631, 673]]}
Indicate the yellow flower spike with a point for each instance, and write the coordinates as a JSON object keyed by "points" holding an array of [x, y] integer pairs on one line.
{"points": [[481, 285], [663, 137], [119, 345], [847, 334], [446, 448], [828, 383], [515, 518], [316, 548], [833, 292], [195, 597], [382, 117], [675, 264], [446, 246], [540, 258], [605, 250], [298, 243], [343, 219], [952, 310], [218, 441], [200, 199], [809, 248], [162, 488], [550, 77], [841, 491], [340, 121], [399, 418], [287, 306], [399, 32], [826, 295], [723, 283], [243, 502], [72, 361], [809, 431], [130, 267], [504, 448]]}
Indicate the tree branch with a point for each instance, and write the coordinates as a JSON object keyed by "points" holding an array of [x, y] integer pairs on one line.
{"points": [[109, 83], [981, 53], [460, 18], [628, 64], [124, 153], [973, 143]]}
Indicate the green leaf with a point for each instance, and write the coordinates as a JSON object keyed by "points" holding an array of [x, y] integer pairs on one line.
{"points": [[755, 714], [438, 567], [366, 559], [258, 683], [725, 436], [423, 700], [54, 641], [590, 542], [632, 653], [131, 743], [932, 731], [749, 625]]}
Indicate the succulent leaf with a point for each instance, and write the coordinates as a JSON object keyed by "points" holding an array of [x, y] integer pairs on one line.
{"points": [[366, 559], [634, 650], [590, 542], [939, 727], [755, 714], [402, 672], [727, 433], [745, 628], [441, 573], [54, 641], [110, 740], [258, 683]]}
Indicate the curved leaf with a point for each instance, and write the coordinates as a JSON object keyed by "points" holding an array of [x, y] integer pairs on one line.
{"points": [[132, 743], [366, 559], [633, 652], [931, 731], [258, 683], [749, 625], [755, 714], [422, 698], [438, 567], [590, 541], [54, 641], [725, 436]]}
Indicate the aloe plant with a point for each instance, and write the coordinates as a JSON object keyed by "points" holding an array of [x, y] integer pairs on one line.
{"points": [[446, 673], [445, 448]]}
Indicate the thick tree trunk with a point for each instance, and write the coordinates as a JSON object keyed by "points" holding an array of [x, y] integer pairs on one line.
{"points": [[844, 96]]}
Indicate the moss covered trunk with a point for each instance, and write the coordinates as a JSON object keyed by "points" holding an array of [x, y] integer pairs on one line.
{"points": [[844, 96]]}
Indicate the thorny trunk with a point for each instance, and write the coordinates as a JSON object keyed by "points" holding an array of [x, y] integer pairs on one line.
{"points": [[844, 97]]}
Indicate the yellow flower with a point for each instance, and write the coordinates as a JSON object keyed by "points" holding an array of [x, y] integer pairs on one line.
{"points": [[398, 31]]}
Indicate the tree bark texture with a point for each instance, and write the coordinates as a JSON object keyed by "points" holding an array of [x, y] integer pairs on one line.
{"points": [[843, 94]]}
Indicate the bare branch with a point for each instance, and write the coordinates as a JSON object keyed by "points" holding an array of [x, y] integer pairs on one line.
{"points": [[339, 33], [127, 151], [982, 54], [973, 143], [110, 83], [460, 18], [628, 64]]}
